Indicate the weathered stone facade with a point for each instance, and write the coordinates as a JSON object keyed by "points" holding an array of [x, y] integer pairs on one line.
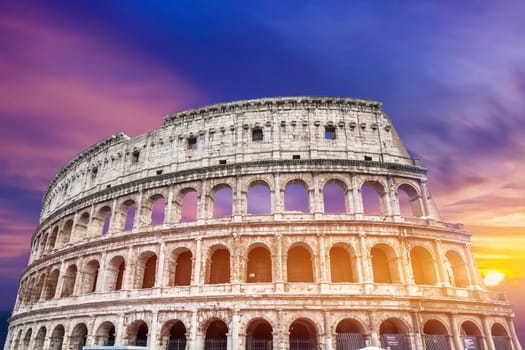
{"points": [[269, 274]]}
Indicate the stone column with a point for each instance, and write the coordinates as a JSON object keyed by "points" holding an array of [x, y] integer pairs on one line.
{"points": [[472, 270], [140, 219], [129, 272], [367, 272], [234, 331], [114, 221], [356, 196], [424, 194], [278, 261], [458, 343], [374, 334], [418, 341], [120, 331], [101, 278], [318, 205], [169, 215], [202, 203], [197, 263], [404, 261], [194, 341], [60, 281], [154, 340], [327, 330], [278, 207], [513, 336], [160, 280], [442, 271], [489, 343], [392, 198]]}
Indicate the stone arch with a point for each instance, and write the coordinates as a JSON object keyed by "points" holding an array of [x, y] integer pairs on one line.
{"points": [[303, 335], [334, 197], [43, 244], [101, 221], [146, 273], [409, 200], [18, 339], [259, 264], [342, 264], [181, 267], [471, 334], [216, 335], [373, 198], [105, 334], [259, 198], [435, 335], [173, 335], [137, 333], [393, 333], [350, 334], [222, 200], [27, 339], [500, 337], [127, 215], [300, 264], [114, 273], [219, 265], [90, 275], [79, 336], [457, 269], [51, 284], [259, 334], [37, 289], [296, 196], [81, 229], [40, 339], [384, 264], [70, 277], [155, 210], [187, 202], [423, 266], [57, 338], [52, 240]]}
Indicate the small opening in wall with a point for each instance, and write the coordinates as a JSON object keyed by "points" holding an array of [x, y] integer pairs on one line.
{"points": [[329, 132], [159, 172], [192, 142], [108, 186], [94, 172], [257, 134], [296, 156], [222, 161], [135, 156], [368, 158]]}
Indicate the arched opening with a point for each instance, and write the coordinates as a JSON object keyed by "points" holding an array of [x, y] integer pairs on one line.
{"points": [[69, 281], [43, 244], [303, 335], [103, 219], [105, 334], [90, 277], [219, 267], [393, 334], [423, 267], [183, 269], [216, 336], [340, 265], [349, 335], [138, 333], [81, 229], [259, 267], [27, 339], [471, 335], [300, 265], [372, 194], [174, 335], [52, 239], [457, 270], [51, 285], [222, 201], [188, 211], [57, 338], [435, 335], [259, 335], [157, 210], [500, 337], [409, 201], [130, 208], [384, 264], [259, 199], [37, 290], [296, 197], [147, 270], [40, 338], [79, 336], [115, 273], [334, 198]]}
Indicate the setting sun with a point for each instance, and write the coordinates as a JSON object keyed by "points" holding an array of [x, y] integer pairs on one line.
{"points": [[493, 278]]}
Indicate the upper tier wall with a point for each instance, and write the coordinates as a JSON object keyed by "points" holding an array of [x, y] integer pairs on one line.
{"points": [[237, 132]]}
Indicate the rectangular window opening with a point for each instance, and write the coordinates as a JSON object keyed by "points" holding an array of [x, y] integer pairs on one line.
{"points": [[368, 158], [257, 135], [329, 132], [296, 156], [222, 161], [159, 172], [135, 155], [192, 143]]}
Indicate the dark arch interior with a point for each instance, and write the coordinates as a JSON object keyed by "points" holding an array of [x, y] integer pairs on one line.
{"points": [[183, 269], [217, 330], [302, 336], [390, 327], [340, 267], [348, 326], [142, 335], [299, 265], [434, 327], [259, 267]]}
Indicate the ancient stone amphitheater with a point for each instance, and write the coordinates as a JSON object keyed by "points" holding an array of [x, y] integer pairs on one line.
{"points": [[279, 223]]}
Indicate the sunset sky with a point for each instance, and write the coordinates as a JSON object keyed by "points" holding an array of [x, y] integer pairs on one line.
{"points": [[450, 74]]}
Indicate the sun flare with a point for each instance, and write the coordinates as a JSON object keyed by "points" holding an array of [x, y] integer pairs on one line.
{"points": [[493, 278]]}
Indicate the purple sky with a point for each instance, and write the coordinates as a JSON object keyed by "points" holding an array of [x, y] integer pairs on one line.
{"points": [[451, 76]]}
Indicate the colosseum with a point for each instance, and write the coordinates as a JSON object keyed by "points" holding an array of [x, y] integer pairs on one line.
{"points": [[280, 223]]}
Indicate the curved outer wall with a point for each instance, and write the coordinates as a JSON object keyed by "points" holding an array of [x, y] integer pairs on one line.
{"points": [[105, 269]]}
